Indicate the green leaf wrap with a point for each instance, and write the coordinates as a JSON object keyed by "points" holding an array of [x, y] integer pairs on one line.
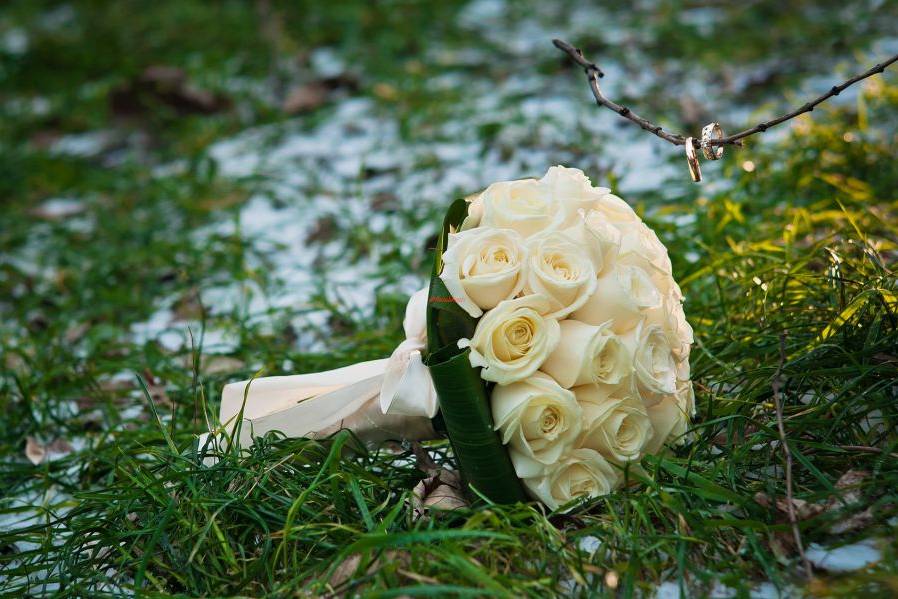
{"points": [[465, 406], [463, 396]]}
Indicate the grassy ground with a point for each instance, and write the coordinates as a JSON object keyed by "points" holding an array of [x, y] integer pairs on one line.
{"points": [[163, 219]]}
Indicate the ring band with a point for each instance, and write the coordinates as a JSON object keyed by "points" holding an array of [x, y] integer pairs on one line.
{"points": [[709, 132], [692, 160]]}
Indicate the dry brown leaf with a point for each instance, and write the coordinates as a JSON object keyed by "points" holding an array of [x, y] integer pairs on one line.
{"points": [[849, 489], [803, 509], [852, 478], [167, 85], [60, 447], [854, 522], [323, 230], [383, 201], [76, 332], [305, 98], [440, 492], [221, 364], [117, 385], [214, 364], [159, 395], [35, 451], [188, 306], [849, 494], [423, 460], [345, 570]]}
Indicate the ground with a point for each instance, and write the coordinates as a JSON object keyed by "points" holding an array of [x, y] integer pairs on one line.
{"points": [[196, 192]]}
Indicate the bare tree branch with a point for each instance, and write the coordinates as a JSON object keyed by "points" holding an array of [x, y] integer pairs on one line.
{"points": [[594, 73], [777, 385]]}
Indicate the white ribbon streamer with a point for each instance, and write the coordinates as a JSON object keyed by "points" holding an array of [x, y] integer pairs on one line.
{"points": [[392, 398]]}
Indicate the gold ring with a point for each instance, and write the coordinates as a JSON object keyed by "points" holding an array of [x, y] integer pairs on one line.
{"points": [[692, 160]]}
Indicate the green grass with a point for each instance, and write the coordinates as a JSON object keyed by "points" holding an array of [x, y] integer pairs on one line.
{"points": [[800, 251]]}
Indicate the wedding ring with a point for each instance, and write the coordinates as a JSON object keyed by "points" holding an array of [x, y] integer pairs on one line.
{"points": [[692, 160], [709, 132]]}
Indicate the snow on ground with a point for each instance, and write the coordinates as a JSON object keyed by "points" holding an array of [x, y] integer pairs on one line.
{"points": [[845, 558]]}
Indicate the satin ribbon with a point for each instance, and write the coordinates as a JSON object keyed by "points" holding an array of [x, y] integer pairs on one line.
{"points": [[391, 398]]}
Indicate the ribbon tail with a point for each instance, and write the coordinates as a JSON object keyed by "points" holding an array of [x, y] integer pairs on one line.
{"points": [[318, 405], [258, 397]]}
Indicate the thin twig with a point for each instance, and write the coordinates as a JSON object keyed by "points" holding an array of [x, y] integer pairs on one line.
{"points": [[868, 449], [594, 73], [777, 385]]}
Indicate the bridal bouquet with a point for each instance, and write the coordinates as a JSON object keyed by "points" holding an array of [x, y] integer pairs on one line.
{"points": [[551, 348]]}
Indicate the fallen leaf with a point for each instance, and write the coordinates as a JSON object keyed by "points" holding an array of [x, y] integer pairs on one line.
{"points": [[803, 509], [345, 570], [323, 230], [385, 91], [440, 492], [384, 201], [221, 364], [168, 85], [76, 332], [423, 460], [849, 487], [188, 306], [60, 447], [851, 480], [156, 388], [305, 98], [34, 451], [854, 522], [117, 385]]}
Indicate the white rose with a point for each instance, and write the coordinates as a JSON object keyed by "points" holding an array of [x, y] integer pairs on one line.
{"points": [[475, 212], [538, 420], [605, 234], [615, 421], [581, 473], [596, 247], [672, 320], [654, 363], [588, 354], [640, 246], [686, 397], [622, 295], [670, 422], [524, 205], [615, 210], [561, 270], [512, 340], [571, 188], [482, 267]]}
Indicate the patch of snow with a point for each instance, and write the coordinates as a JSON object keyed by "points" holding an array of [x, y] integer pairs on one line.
{"points": [[668, 590], [175, 335], [327, 63], [14, 41], [768, 590], [589, 544], [60, 207], [84, 145], [845, 558]]}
